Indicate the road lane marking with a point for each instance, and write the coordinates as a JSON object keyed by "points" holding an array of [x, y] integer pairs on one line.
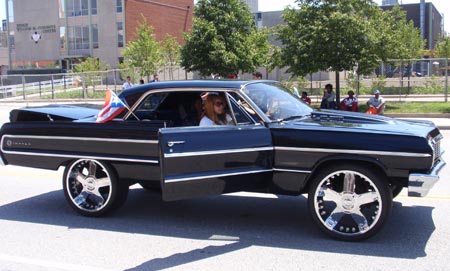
{"points": [[48, 264]]}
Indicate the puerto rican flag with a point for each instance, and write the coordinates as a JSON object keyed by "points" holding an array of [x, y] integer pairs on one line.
{"points": [[113, 107]]}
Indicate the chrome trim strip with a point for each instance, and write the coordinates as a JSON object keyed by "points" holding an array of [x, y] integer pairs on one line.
{"points": [[226, 151], [136, 141], [147, 161], [403, 154], [175, 180], [292, 170]]}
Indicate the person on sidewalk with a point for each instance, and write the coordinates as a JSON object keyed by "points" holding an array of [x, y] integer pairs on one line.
{"points": [[376, 104], [350, 103], [328, 98], [127, 84]]}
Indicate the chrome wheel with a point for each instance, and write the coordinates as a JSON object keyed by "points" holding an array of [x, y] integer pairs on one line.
{"points": [[349, 204], [91, 188]]}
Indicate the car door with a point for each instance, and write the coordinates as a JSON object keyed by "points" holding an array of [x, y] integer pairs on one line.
{"points": [[200, 161]]}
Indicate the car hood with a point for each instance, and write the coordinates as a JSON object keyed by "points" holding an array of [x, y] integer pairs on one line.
{"points": [[360, 122]]}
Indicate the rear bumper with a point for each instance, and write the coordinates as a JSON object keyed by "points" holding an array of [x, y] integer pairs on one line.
{"points": [[420, 184]]}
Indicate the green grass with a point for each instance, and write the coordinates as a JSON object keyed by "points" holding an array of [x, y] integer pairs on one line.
{"points": [[415, 107], [78, 94]]}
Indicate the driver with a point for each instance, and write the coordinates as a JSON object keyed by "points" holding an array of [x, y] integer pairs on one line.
{"points": [[215, 113]]}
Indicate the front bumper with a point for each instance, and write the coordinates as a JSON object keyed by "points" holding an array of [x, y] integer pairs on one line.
{"points": [[420, 184]]}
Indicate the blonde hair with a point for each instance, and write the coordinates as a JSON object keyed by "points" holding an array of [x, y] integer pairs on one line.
{"points": [[218, 119]]}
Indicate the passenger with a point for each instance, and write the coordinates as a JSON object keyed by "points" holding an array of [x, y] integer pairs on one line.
{"points": [[305, 97], [376, 104], [256, 76], [214, 113], [350, 103], [328, 98]]}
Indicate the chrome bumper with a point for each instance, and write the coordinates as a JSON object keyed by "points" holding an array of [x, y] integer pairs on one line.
{"points": [[420, 184], [2, 163]]}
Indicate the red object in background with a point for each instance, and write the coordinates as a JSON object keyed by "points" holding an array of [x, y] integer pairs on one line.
{"points": [[307, 100], [353, 108], [372, 111]]}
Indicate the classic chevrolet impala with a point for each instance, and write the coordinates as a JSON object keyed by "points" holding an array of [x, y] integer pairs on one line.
{"points": [[351, 165]]}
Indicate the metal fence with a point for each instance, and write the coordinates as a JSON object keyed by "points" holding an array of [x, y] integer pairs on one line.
{"points": [[88, 85], [398, 80]]}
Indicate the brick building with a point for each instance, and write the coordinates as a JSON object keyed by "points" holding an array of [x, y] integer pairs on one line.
{"points": [[60, 33]]}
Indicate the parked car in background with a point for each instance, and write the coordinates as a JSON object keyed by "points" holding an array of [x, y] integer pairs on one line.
{"points": [[351, 165]]}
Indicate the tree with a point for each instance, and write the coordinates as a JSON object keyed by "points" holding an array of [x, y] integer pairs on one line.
{"points": [[223, 40], [326, 35], [91, 72], [144, 53], [171, 51], [443, 47], [343, 35]]}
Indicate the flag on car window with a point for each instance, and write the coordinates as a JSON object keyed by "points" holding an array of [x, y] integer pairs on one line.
{"points": [[113, 107]]}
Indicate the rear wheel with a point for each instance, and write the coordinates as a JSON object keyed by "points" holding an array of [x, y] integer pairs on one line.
{"points": [[92, 188], [349, 202]]}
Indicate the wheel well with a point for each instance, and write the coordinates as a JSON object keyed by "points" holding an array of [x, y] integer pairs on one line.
{"points": [[371, 165]]}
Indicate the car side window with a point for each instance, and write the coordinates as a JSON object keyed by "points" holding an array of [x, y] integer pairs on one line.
{"points": [[241, 116], [146, 110]]}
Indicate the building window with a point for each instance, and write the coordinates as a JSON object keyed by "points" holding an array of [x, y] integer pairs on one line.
{"points": [[119, 6], [62, 8], [78, 37], [94, 7], [81, 7], [10, 11], [94, 36], [120, 41], [62, 37]]}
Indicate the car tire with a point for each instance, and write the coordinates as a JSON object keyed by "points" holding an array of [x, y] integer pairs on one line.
{"points": [[349, 202], [92, 188]]}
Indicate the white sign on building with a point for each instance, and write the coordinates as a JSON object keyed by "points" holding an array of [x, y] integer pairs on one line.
{"points": [[36, 30]]}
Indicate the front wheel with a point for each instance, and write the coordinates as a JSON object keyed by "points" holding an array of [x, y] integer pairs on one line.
{"points": [[92, 188], [349, 202]]}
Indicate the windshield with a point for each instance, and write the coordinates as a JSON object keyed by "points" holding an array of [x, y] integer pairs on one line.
{"points": [[276, 102]]}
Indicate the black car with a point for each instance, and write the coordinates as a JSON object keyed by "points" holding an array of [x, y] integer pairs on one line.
{"points": [[351, 165]]}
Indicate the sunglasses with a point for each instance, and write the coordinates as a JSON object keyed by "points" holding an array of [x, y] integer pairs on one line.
{"points": [[219, 104]]}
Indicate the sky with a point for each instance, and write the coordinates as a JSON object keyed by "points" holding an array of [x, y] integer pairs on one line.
{"points": [[443, 6]]}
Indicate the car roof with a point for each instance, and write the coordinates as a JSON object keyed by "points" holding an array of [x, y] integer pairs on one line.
{"points": [[226, 84]]}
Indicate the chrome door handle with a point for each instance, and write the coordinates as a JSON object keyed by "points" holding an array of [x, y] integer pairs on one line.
{"points": [[170, 144]]}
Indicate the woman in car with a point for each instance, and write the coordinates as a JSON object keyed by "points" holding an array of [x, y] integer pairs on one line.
{"points": [[215, 113]]}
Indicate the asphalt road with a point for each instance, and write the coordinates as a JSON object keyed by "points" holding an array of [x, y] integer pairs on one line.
{"points": [[242, 231]]}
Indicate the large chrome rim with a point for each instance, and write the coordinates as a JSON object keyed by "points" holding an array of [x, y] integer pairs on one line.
{"points": [[89, 185], [348, 203]]}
